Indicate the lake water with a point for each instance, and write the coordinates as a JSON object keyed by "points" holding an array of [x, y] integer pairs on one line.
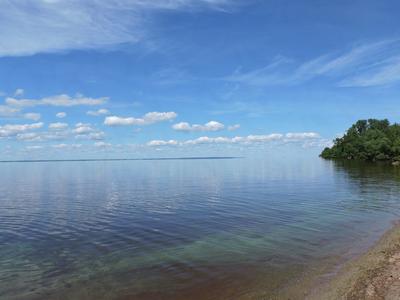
{"points": [[183, 229]]}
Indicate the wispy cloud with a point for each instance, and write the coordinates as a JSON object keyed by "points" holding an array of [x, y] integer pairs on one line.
{"points": [[43, 26], [271, 74], [387, 73], [368, 64], [243, 108], [57, 100]]}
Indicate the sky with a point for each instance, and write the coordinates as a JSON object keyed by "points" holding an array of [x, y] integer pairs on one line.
{"points": [[169, 78]]}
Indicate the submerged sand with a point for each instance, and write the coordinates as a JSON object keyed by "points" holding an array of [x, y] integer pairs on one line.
{"points": [[374, 275]]}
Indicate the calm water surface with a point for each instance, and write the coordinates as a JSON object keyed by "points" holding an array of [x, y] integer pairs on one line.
{"points": [[192, 229]]}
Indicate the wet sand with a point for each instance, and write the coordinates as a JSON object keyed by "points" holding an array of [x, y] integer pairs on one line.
{"points": [[372, 276]]}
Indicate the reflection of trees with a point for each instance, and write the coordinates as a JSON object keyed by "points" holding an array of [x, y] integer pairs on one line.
{"points": [[371, 185]]}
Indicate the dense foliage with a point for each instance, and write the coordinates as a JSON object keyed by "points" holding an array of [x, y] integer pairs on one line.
{"points": [[371, 140]]}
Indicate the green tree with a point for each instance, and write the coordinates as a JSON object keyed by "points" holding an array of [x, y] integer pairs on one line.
{"points": [[367, 140]]}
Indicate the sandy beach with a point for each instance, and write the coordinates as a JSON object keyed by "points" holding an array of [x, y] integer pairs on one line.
{"points": [[374, 275]]}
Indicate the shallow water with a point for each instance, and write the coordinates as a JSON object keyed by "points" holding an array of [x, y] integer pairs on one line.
{"points": [[183, 229]]}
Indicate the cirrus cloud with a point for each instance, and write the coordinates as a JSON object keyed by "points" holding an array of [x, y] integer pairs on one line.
{"points": [[57, 100], [66, 25]]}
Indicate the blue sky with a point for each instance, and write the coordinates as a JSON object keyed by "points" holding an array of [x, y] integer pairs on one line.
{"points": [[192, 77]]}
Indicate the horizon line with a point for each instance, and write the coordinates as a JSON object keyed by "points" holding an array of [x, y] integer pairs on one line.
{"points": [[121, 159]]}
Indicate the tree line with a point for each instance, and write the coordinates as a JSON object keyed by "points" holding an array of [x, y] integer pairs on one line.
{"points": [[369, 140]]}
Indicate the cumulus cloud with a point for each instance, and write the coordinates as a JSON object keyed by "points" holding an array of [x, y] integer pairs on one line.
{"points": [[81, 128], [36, 147], [234, 127], [147, 119], [7, 111], [57, 100], [60, 146], [61, 115], [302, 135], [95, 136], [19, 92], [237, 139], [156, 143], [42, 136], [311, 138], [102, 145], [210, 126], [99, 112], [66, 146], [32, 116], [13, 129], [58, 126], [29, 137], [85, 131]]}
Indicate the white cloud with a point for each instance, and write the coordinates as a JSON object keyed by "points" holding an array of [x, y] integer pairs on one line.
{"points": [[42, 136], [32, 26], [156, 143], [358, 55], [18, 92], [85, 131], [102, 145], [29, 137], [32, 116], [387, 74], [364, 65], [57, 100], [147, 119], [270, 74], [81, 128], [210, 126], [302, 135], [311, 138], [209, 140], [60, 146], [7, 111], [29, 148], [66, 146], [95, 136], [61, 115], [234, 127], [58, 126], [13, 129], [100, 112]]}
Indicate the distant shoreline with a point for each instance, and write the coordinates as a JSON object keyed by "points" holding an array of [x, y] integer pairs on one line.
{"points": [[121, 159]]}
